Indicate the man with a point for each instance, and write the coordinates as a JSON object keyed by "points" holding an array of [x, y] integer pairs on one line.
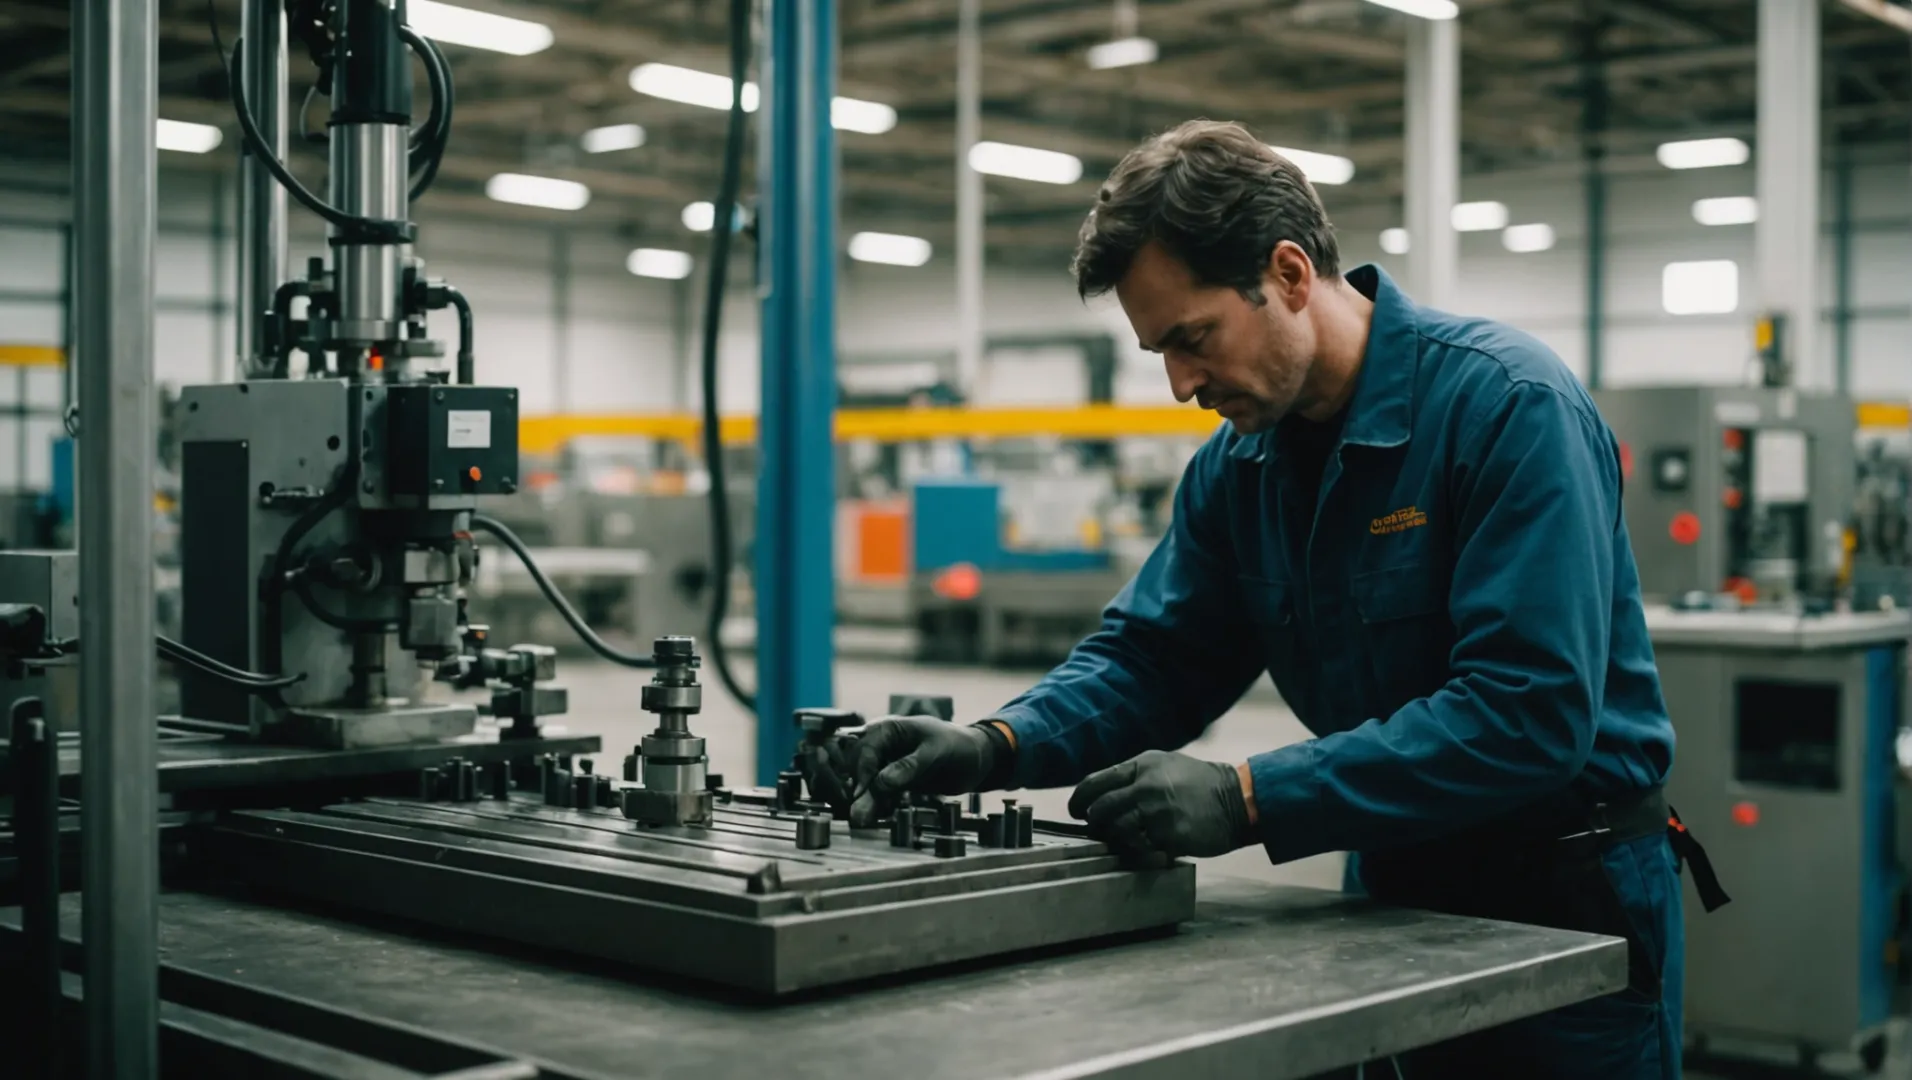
{"points": [[1412, 522]]}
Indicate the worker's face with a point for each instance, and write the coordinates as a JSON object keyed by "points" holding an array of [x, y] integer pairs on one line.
{"points": [[1246, 361]]}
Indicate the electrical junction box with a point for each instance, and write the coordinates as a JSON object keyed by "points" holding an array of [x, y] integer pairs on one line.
{"points": [[451, 440]]}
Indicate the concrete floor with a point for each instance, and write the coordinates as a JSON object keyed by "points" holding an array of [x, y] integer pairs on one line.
{"points": [[604, 701]]}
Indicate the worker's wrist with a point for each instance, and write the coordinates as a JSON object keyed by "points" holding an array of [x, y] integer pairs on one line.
{"points": [[999, 770], [1247, 779]]}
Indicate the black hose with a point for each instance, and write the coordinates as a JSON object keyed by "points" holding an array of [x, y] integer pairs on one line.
{"points": [[466, 366], [272, 589], [182, 654], [256, 143], [720, 237], [431, 149], [282, 323], [302, 588], [597, 644]]}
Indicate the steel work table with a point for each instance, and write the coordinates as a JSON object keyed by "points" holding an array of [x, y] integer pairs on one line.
{"points": [[1270, 981]]}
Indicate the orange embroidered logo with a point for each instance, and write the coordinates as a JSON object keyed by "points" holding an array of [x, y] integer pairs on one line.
{"points": [[1399, 521]]}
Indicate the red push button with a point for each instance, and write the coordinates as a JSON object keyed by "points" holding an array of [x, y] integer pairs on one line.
{"points": [[474, 475], [1685, 528], [1746, 814]]}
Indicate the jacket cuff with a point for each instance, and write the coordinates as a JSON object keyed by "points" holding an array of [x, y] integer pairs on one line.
{"points": [[1002, 755], [1290, 818]]}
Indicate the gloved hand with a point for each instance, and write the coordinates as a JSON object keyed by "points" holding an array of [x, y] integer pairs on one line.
{"points": [[920, 754], [1171, 803]]}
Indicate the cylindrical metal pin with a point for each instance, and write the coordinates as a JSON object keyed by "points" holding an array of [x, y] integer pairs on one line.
{"points": [[975, 802], [903, 828], [813, 832], [630, 768], [992, 834], [584, 766], [951, 847], [583, 791], [498, 779], [557, 788], [606, 793], [789, 789], [949, 817], [428, 783], [1025, 826]]}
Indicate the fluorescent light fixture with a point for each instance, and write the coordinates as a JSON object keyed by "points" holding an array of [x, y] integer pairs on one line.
{"points": [[186, 138], [1394, 241], [1123, 52], [689, 86], [477, 29], [1025, 163], [542, 191], [1527, 239], [1707, 287], [890, 248], [1703, 153], [616, 137], [659, 263], [1319, 168], [1479, 216], [1437, 10], [1727, 210], [699, 216], [865, 117]]}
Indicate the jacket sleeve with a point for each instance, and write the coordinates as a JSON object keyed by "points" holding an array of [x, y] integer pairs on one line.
{"points": [[1535, 491], [1175, 650]]}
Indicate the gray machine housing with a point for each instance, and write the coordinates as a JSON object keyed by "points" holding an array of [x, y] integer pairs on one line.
{"points": [[1673, 443], [255, 456]]}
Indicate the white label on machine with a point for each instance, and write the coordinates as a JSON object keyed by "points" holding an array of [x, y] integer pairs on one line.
{"points": [[1736, 413], [1779, 466], [468, 429]]}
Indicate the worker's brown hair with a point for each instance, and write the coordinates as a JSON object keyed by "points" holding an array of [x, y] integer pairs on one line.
{"points": [[1216, 197]]}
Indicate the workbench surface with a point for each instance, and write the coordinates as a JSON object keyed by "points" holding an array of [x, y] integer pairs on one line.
{"points": [[1267, 981]]}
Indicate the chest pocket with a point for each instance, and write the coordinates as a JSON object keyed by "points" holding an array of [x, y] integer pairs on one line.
{"points": [[1271, 606], [1408, 633]]}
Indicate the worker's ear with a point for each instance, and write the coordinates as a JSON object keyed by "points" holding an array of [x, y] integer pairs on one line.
{"points": [[1289, 277]]}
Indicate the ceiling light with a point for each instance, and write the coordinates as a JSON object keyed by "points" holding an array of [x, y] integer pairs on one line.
{"points": [[689, 86], [692, 87], [698, 217], [1728, 210], [542, 191], [1319, 168], [659, 263], [890, 248], [867, 117], [1708, 287], [1702, 153], [477, 29], [186, 138], [616, 137], [1422, 9], [1025, 163], [1125, 52], [1394, 241], [1527, 239], [1479, 216]]}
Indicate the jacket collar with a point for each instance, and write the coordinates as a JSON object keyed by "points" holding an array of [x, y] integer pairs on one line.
{"points": [[1382, 412]]}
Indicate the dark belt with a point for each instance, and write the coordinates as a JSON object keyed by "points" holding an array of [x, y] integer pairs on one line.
{"points": [[1642, 815]]}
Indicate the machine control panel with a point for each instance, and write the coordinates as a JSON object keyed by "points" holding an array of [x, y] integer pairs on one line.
{"points": [[452, 440]]}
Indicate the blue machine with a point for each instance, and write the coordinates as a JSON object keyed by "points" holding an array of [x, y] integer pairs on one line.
{"points": [[958, 521]]}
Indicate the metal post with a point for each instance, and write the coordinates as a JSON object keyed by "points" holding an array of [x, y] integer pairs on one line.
{"points": [[796, 489], [115, 78], [1433, 158], [561, 322], [1786, 239], [1593, 127], [969, 200], [1842, 270], [262, 202]]}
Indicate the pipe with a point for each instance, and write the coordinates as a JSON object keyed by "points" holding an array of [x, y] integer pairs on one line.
{"points": [[115, 92], [466, 364], [262, 202]]}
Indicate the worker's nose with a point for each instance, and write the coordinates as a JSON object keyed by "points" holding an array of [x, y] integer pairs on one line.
{"points": [[1184, 378]]}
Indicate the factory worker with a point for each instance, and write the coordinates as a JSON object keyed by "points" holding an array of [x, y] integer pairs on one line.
{"points": [[1411, 520]]}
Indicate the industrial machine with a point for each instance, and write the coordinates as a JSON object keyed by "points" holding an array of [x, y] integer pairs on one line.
{"points": [[1785, 682], [1744, 491]]}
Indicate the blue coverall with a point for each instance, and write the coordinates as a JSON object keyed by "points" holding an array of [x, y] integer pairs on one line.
{"points": [[1458, 623]]}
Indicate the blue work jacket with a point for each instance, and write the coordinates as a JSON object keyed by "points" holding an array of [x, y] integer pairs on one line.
{"points": [[1458, 623]]}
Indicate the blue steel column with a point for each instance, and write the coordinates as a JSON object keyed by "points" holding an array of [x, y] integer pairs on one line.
{"points": [[796, 481]]}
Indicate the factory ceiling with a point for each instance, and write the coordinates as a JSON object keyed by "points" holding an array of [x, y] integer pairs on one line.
{"points": [[1323, 75]]}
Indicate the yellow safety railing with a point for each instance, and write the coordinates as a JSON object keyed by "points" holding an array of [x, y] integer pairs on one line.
{"points": [[31, 356], [543, 434]]}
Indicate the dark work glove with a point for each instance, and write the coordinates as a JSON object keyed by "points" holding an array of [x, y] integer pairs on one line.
{"points": [[919, 754], [1171, 803]]}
